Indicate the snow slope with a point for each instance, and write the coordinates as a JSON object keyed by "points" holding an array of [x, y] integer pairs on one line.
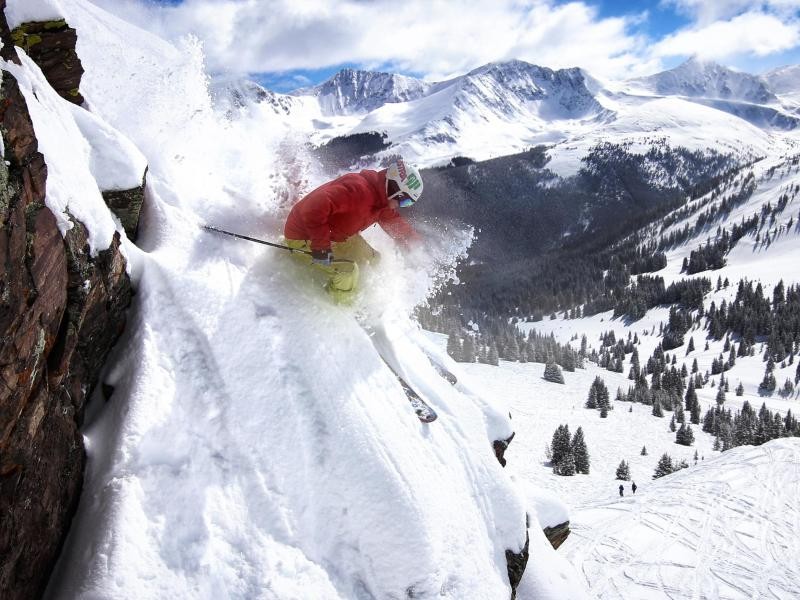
{"points": [[725, 528], [255, 444]]}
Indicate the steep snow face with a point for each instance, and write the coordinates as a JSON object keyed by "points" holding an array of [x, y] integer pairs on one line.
{"points": [[701, 79], [352, 91], [256, 445]]}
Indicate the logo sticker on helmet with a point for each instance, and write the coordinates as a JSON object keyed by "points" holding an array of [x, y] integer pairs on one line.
{"points": [[401, 169], [412, 182]]}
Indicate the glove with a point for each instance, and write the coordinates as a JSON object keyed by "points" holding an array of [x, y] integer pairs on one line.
{"points": [[322, 257]]}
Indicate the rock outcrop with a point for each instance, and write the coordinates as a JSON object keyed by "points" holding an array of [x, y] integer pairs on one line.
{"points": [[61, 311], [51, 45], [557, 535], [127, 205], [516, 561]]}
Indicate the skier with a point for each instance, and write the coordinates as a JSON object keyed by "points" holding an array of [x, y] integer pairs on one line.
{"points": [[633, 487], [621, 490], [328, 220]]}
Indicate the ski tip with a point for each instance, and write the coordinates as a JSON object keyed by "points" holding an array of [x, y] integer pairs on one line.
{"points": [[427, 417]]}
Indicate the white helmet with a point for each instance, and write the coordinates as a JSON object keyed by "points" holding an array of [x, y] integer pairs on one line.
{"points": [[408, 180]]}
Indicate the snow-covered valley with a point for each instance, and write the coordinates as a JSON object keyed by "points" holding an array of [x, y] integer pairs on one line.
{"points": [[247, 440]]}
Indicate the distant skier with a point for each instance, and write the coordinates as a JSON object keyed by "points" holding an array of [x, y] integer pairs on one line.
{"points": [[328, 220], [633, 487], [621, 490]]}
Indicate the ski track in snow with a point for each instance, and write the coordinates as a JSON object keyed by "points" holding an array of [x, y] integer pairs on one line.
{"points": [[696, 535]]}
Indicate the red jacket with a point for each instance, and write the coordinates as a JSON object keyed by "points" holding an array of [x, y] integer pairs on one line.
{"points": [[342, 208]]}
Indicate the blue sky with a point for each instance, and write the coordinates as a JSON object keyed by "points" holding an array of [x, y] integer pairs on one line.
{"points": [[286, 44]]}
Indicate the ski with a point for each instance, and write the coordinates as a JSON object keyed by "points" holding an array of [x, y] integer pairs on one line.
{"points": [[442, 370], [422, 409]]}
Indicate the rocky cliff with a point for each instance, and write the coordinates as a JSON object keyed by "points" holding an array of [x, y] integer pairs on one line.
{"points": [[61, 310]]}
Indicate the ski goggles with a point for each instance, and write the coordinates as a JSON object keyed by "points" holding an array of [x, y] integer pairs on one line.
{"points": [[403, 199]]}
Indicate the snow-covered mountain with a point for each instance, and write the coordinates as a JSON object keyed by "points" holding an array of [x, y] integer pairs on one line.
{"points": [[506, 107], [784, 80], [353, 91], [703, 79], [236, 93]]}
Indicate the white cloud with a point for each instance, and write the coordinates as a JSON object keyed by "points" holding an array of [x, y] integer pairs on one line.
{"points": [[705, 12], [751, 33], [435, 39], [443, 38]]}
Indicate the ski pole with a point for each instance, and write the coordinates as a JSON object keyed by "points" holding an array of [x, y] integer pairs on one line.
{"points": [[266, 243], [256, 240]]}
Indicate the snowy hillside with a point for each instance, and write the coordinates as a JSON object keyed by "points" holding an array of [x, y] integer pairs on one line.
{"points": [[255, 444]]}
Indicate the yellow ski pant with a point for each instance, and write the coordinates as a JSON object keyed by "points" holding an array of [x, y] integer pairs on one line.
{"points": [[343, 271]]}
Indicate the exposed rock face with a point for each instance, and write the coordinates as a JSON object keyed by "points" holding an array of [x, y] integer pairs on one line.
{"points": [[60, 313], [127, 205], [500, 447], [516, 566], [51, 45], [557, 535]]}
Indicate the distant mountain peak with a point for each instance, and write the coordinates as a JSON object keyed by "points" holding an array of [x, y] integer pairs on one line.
{"points": [[699, 78], [357, 91]]}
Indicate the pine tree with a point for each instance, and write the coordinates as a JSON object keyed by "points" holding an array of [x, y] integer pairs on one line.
{"points": [[624, 471], [694, 414], [603, 411], [468, 350], [740, 389], [552, 373], [672, 423], [690, 347], [768, 384], [721, 396], [657, 412], [644, 451], [684, 436], [494, 356], [580, 452], [591, 400], [561, 444], [664, 466], [454, 347], [566, 466], [598, 395]]}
